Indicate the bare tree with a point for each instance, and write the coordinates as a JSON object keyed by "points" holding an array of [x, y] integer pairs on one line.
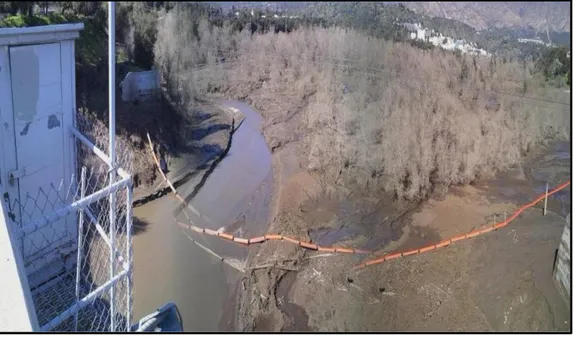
{"points": [[377, 114]]}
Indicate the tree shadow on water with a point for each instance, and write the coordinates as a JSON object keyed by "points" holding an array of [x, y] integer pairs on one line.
{"points": [[208, 152], [139, 226], [201, 133]]}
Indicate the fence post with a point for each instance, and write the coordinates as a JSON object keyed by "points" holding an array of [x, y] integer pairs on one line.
{"points": [[129, 253], [112, 201], [80, 244], [545, 206]]}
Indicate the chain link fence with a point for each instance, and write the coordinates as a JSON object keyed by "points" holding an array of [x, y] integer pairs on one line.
{"points": [[76, 248]]}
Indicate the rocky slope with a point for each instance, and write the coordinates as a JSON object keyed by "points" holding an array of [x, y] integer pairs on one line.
{"points": [[541, 16]]}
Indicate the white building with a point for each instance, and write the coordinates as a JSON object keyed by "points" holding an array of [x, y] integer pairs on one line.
{"points": [[421, 34], [37, 101], [48, 278], [436, 40], [417, 32]]}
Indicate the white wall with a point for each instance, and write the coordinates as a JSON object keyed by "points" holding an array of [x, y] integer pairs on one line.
{"points": [[17, 311], [54, 87]]}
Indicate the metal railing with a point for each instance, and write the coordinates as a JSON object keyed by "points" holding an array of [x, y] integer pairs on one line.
{"points": [[76, 245]]}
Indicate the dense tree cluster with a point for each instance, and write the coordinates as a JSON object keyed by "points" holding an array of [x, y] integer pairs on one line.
{"points": [[555, 65]]}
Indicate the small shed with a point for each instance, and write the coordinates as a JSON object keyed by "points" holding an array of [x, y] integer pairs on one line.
{"points": [[37, 156], [140, 86]]}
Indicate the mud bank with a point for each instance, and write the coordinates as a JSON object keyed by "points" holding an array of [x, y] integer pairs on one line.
{"points": [[234, 195], [477, 285], [203, 140]]}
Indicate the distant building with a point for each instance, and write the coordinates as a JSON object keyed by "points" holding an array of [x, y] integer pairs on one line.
{"points": [[421, 34], [417, 32], [436, 40], [412, 27]]}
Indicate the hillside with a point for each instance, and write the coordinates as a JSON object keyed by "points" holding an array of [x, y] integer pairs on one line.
{"points": [[367, 137], [541, 16]]}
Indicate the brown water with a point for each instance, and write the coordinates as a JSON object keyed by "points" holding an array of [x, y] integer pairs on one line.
{"points": [[550, 164], [297, 319], [168, 267]]}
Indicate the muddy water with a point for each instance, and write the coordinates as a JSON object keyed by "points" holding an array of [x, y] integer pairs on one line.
{"points": [[296, 315], [550, 164], [236, 197]]}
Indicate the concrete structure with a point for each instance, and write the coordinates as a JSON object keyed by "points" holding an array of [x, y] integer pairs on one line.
{"points": [[17, 312], [140, 86], [37, 110], [562, 268]]}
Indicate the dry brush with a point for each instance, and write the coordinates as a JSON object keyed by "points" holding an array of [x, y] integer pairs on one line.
{"points": [[381, 115]]}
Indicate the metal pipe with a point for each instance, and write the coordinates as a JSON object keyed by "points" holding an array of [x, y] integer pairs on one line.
{"points": [[80, 244], [111, 89], [97, 151], [104, 237]]}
